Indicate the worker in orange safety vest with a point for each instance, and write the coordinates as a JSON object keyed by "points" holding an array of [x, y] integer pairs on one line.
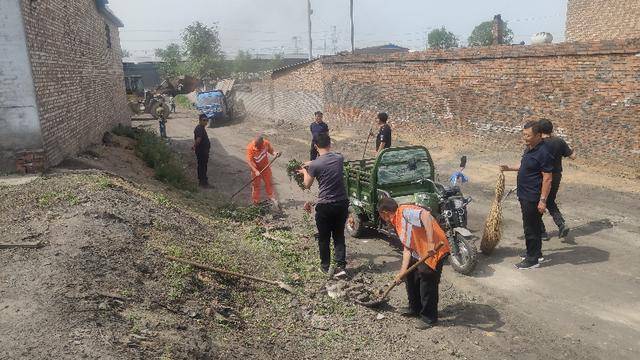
{"points": [[258, 152], [420, 234]]}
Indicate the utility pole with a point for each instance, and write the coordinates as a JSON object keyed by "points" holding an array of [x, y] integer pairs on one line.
{"points": [[334, 40], [353, 47], [309, 12]]}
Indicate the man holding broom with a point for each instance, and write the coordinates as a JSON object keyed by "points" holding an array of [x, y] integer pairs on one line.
{"points": [[534, 185], [258, 152], [419, 233]]}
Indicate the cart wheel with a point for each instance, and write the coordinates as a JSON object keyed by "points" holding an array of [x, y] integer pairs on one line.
{"points": [[466, 259], [355, 226]]}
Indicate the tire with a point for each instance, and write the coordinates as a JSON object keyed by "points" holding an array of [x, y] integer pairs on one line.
{"points": [[464, 262], [355, 224]]}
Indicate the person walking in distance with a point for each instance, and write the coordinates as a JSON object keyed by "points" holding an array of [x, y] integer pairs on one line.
{"points": [[558, 148], [162, 121], [332, 208], [172, 104], [201, 146], [318, 126], [258, 152], [534, 185], [420, 234], [383, 140]]}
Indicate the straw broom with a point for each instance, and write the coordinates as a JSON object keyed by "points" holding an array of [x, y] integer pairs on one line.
{"points": [[493, 225]]}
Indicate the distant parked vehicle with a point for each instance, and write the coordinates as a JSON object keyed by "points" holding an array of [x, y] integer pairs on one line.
{"points": [[214, 105]]}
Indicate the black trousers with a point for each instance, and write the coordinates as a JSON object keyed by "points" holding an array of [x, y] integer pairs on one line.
{"points": [[422, 290], [330, 221], [552, 206], [532, 225], [203, 160], [313, 153]]}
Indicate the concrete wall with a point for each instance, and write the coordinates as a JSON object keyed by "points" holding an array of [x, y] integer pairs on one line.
{"points": [[290, 95], [78, 78], [602, 19], [19, 123]]}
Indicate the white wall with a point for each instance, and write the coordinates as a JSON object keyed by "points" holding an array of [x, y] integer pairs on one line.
{"points": [[19, 122]]}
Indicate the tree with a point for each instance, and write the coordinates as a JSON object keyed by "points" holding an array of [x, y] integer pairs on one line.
{"points": [[203, 50], [172, 64], [442, 39], [243, 62], [482, 35]]}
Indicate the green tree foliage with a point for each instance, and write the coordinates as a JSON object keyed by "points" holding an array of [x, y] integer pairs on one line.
{"points": [[442, 39], [202, 50], [243, 62], [172, 64], [482, 35]]}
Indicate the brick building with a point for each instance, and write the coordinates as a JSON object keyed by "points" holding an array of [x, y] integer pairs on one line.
{"points": [[61, 80], [602, 20]]}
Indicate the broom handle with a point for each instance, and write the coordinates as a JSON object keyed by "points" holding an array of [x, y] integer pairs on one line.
{"points": [[255, 177], [410, 270], [221, 271]]}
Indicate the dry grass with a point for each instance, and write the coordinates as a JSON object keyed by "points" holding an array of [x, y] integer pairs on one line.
{"points": [[493, 225]]}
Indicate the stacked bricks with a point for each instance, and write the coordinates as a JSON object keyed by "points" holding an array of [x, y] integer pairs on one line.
{"points": [[30, 162], [589, 20], [78, 78]]}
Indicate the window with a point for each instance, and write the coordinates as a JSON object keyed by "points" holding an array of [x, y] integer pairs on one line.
{"points": [[107, 31]]}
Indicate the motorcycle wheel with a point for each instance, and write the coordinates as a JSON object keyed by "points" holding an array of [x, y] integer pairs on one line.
{"points": [[355, 227], [465, 261]]}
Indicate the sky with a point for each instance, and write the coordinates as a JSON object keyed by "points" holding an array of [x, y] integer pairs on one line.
{"points": [[274, 26]]}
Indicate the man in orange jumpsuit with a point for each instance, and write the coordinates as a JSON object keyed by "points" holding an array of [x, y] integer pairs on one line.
{"points": [[420, 234], [258, 152]]}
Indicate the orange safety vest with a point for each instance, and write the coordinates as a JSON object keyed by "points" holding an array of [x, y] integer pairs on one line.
{"points": [[259, 156], [415, 237]]}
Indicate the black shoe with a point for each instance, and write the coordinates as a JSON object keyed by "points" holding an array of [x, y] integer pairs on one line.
{"points": [[545, 237], [524, 257], [422, 324], [324, 269], [408, 312], [340, 273], [527, 265], [563, 231]]}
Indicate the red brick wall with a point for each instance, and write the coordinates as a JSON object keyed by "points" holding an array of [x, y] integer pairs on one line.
{"points": [[78, 79], [591, 91], [602, 19]]}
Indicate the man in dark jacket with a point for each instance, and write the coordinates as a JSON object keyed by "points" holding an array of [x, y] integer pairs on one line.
{"points": [[558, 148], [534, 184], [383, 140], [317, 127], [201, 147]]}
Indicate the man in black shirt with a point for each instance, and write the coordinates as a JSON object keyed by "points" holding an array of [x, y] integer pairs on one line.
{"points": [[332, 208], [317, 127], [383, 140], [201, 146], [534, 184], [558, 148]]}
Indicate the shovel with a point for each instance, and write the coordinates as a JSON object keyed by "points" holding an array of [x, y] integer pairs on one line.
{"points": [[255, 177], [383, 299], [279, 284]]}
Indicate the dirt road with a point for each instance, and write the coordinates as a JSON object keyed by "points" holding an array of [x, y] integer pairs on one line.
{"points": [[583, 303]]}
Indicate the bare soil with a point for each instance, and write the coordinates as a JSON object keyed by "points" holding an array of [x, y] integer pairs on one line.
{"points": [[101, 288]]}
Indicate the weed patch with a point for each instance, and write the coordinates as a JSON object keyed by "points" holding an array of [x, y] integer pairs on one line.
{"points": [[242, 214], [122, 130], [183, 101]]}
